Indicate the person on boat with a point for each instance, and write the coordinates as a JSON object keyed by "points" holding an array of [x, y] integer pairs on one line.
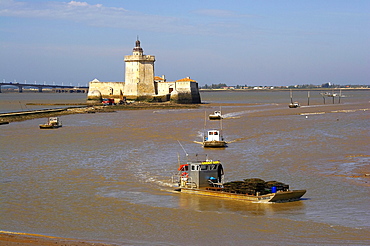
{"points": [[220, 172]]}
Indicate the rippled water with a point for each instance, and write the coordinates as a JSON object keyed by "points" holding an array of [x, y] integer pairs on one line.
{"points": [[107, 176], [16, 102]]}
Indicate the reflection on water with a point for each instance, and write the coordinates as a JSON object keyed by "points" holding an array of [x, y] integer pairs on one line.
{"points": [[221, 205], [14, 102]]}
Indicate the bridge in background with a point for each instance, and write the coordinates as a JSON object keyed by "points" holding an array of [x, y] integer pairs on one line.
{"points": [[40, 87]]}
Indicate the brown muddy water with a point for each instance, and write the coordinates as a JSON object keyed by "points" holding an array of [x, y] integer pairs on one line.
{"points": [[106, 176]]}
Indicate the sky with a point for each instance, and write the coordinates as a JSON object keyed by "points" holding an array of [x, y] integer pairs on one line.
{"points": [[235, 42]]}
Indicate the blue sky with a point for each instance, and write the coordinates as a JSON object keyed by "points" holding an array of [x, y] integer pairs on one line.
{"points": [[246, 42]]}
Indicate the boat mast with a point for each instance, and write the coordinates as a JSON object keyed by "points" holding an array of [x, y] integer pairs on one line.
{"points": [[291, 96], [205, 122], [221, 124], [221, 134]]}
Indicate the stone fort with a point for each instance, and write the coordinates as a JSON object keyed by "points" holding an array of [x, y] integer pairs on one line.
{"points": [[142, 85]]}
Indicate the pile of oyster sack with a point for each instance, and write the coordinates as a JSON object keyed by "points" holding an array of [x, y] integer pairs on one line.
{"points": [[254, 186]]}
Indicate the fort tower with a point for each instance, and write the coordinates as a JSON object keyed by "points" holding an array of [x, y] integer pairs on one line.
{"points": [[139, 74]]}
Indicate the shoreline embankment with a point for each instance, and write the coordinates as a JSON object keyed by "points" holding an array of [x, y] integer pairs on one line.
{"points": [[8, 238], [83, 109]]}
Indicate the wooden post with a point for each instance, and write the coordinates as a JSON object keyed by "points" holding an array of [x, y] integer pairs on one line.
{"points": [[308, 98], [291, 96]]}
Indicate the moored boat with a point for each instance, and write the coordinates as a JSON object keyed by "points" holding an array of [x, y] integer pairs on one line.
{"points": [[53, 122], [294, 105], [206, 177], [215, 116]]}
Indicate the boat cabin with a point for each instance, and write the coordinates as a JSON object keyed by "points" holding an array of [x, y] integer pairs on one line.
{"points": [[54, 121], [200, 174], [213, 135]]}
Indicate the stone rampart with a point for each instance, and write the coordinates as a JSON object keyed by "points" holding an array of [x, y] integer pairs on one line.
{"points": [[105, 89]]}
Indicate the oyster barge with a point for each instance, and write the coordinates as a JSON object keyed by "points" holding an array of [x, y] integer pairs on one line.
{"points": [[206, 177]]}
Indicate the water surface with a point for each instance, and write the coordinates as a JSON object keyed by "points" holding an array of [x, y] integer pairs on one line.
{"points": [[106, 176]]}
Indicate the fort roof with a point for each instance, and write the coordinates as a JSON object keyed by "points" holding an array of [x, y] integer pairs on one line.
{"points": [[187, 79], [158, 78]]}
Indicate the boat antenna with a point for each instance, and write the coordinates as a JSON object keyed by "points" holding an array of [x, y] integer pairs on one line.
{"points": [[205, 119], [182, 148], [221, 123]]}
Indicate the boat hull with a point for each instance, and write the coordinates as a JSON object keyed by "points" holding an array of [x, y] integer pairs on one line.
{"points": [[215, 117], [49, 127], [280, 196], [214, 144]]}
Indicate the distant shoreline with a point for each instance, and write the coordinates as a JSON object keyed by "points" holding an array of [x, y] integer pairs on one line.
{"points": [[221, 89], [282, 89]]}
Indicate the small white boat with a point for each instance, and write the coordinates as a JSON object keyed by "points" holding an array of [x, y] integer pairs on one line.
{"points": [[213, 139], [215, 116], [53, 122], [329, 94], [294, 105]]}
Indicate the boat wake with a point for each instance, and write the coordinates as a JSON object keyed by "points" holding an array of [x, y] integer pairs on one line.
{"points": [[236, 140], [236, 115]]}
